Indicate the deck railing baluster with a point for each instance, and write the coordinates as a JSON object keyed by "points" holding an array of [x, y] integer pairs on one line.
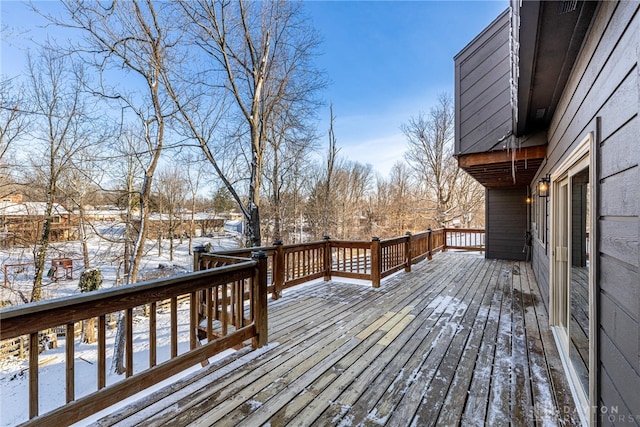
{"points": [[152, 334], [102, 350], [128, 318], [70, 362], [174, 326]]}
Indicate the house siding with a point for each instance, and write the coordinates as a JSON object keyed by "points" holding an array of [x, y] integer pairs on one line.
{"points": [[506, 223], [540, 266], [605, 84], [483, 106]]}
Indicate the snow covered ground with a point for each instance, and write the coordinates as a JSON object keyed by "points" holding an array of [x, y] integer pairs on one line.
{"points": [[107, 257]]}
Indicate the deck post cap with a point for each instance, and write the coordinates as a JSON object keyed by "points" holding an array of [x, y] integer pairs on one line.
{"points": [[258, 254]]}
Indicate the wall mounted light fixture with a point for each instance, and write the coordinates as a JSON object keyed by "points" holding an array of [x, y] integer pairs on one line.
{"points": [[543, 186]]}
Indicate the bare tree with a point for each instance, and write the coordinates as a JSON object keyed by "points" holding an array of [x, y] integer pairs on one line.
{"points": [[348, 200], [194, 176], [332, 153], [352, 187], [60, 115], [430, 154], [134, 37], [264, 50], [469, 200], [137, 38], [171, 187], [321, 205], [401, 209], [14, 122], [290, 141], [78, 185], [127, 172]]}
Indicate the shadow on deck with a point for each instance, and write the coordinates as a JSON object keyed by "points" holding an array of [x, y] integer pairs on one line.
{"points": [[459, 340]]}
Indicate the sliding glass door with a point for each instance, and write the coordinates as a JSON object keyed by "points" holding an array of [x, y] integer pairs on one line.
{"points": [[571, 200]]}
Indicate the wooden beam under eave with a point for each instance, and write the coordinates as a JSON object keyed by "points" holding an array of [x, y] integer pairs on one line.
{"points": [[492, 157]]}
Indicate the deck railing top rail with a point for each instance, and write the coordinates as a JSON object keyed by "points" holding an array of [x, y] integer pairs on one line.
{"points": [[216, 294], [220, 290], [373, 260], [37, 316]]}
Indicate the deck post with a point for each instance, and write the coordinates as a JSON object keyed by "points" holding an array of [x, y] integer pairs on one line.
{"points": [[197, 254], [260, 299], [429, 244], [444, 240], [278, 270], [33, 375], [375, 262], [407, 253], [327, 258]]}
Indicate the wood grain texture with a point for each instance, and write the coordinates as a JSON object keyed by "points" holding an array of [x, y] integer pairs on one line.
{"points": [[459, 340]]}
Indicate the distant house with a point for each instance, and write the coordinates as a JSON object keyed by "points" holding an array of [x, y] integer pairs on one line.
{"points": [[203, 224], [234, 226], [109, 215], [547, 105], [21, 223]]}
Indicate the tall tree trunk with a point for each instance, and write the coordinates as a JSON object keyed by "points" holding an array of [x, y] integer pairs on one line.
{"points": [[192, 225], [43, 244], [89, 325], [84, 237], [331, 159], [171, 233], [277, 233]]}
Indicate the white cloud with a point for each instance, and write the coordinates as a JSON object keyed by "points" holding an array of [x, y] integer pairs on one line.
{"points": [[382, 153]]}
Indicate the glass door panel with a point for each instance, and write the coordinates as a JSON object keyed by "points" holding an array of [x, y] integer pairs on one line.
{"points": [[579, 277]]}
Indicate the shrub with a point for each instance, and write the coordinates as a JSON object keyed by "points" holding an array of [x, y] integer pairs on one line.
{"points": [[90, 280]]}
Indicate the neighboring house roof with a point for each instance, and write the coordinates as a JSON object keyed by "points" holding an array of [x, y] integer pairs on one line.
{"points": [[104, 212], [200, 216], [30, 209]]}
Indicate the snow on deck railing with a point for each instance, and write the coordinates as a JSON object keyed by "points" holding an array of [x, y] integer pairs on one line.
{"points": [[290, 265], [219, 290], [216, 307]]}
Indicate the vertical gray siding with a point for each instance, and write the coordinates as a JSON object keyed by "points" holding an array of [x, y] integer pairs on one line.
{"points": [[605, 82], [482, 72], [506, 223]]}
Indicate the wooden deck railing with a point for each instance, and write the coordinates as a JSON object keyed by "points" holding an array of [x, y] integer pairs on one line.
{"points": [[468, 239], [289, 265], [216, 293], [230, 323]]}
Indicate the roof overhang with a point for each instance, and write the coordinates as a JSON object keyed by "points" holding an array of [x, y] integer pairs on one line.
{"points": [[504, 168], [550, 36]]}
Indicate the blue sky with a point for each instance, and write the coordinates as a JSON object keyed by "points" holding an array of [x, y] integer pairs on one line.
{"points": [[385, 61]]}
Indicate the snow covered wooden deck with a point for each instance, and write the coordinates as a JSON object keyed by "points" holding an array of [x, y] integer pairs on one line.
{"points": [[458, 340]]}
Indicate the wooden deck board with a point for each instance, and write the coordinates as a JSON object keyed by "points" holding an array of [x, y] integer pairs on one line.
{"points": [[478, 393], [543, 411], [500, 385], [451, 411], [458, 340], [371, 384], [430, 378]]}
